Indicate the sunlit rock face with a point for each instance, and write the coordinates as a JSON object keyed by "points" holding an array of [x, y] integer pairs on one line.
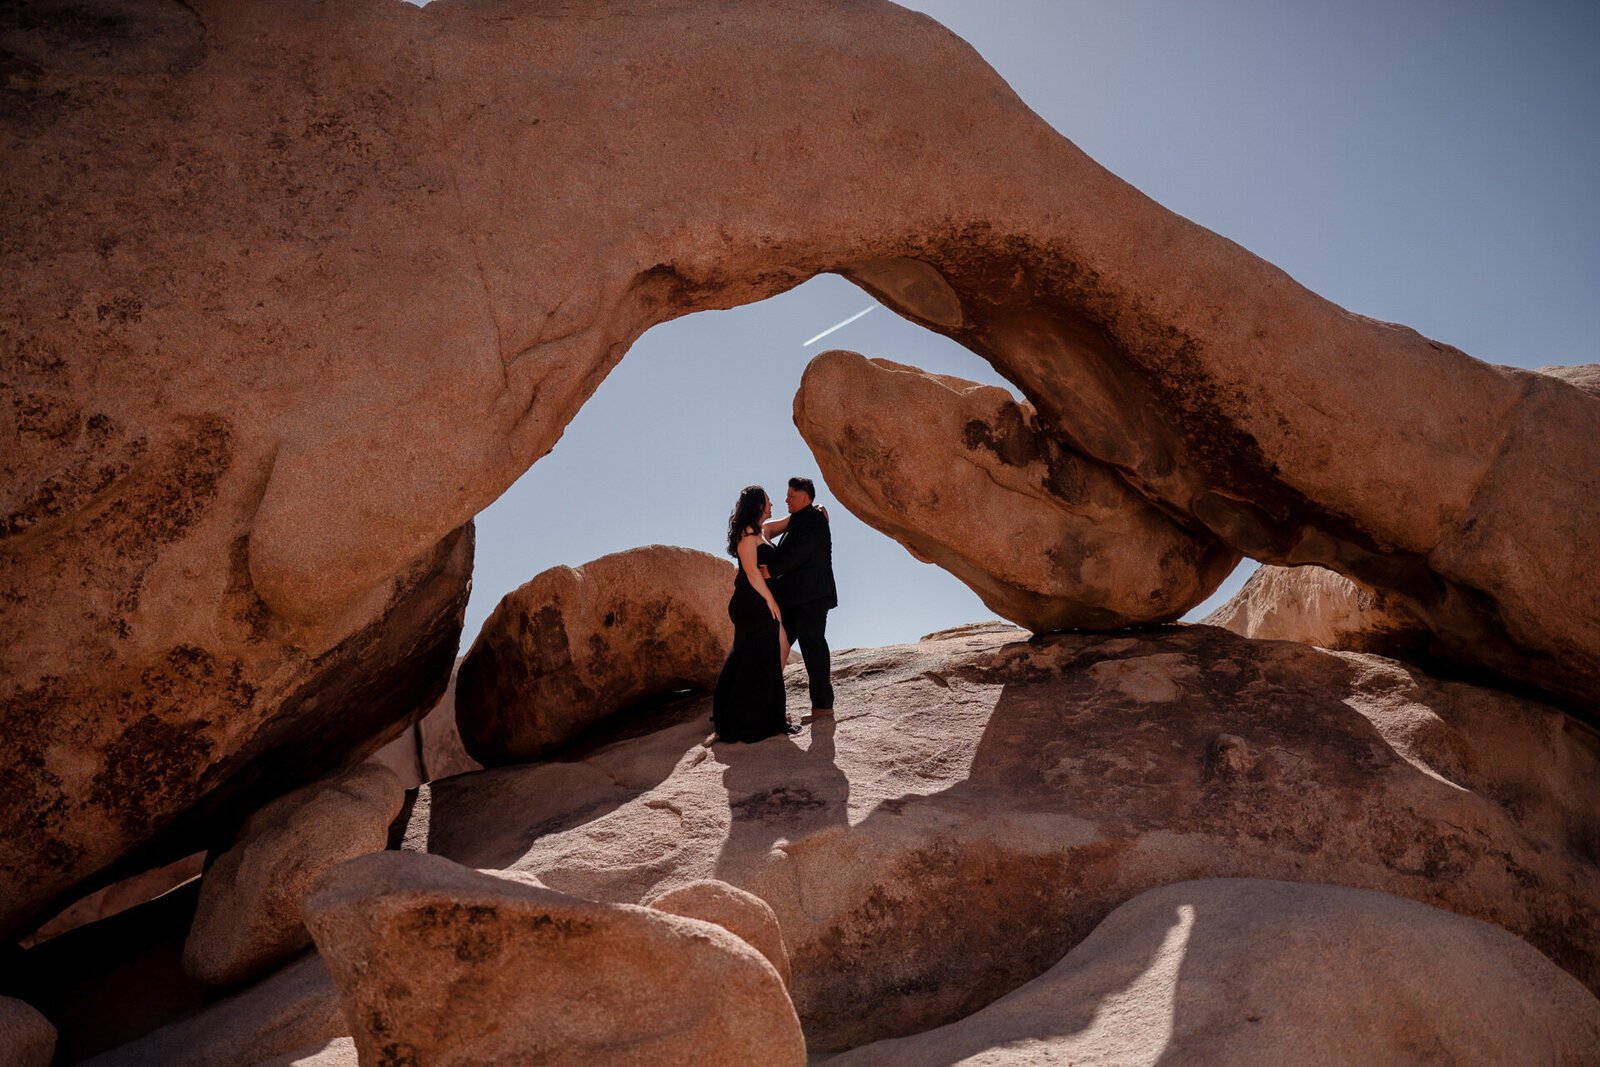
{"points": [[965, 477], [1244, 971], [981, 801], [454, 966], [295, 289], [573, 645], [1324, 608]]}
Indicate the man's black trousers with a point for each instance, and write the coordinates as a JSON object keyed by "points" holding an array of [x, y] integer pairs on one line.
{"points": [[806, 625]]}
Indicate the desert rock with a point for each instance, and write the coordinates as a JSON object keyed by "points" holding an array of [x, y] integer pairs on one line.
{"points": [[26, 1037], [731, 908], [248, 918], [574, 645], [290, 1009], [340, 1052], [1245, 971], [1320, 607], [1585, 376], [444, 965], [242, 250], [980, 802], [439, 739], [965, 477]]}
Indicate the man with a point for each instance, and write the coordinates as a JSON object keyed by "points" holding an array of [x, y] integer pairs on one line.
{"points": [[802, 570]]}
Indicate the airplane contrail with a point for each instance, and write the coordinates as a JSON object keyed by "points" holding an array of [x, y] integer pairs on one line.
{"points": [[840, 326]]}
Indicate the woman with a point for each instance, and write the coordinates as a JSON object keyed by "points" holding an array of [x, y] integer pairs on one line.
{"points": [[749, 703]]}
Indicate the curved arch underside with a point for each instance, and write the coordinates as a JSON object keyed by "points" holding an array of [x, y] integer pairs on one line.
{"points": [[295, 289]]}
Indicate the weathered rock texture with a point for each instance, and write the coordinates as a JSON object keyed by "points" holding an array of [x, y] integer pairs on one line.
{"points": [[443, 965], [732, 909], [965, 477], [295, 289], [26, 1037], [574, 645], [288, 1010], [248, 918], [1241, 971], [982, 802], [1316, 606]]}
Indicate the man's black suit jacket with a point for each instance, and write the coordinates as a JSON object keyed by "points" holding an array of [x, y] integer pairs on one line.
{"points": [[802, 566]]}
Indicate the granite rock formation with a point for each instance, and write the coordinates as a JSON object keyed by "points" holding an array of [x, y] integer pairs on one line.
{"points": [[574, 645], [1244, 971], [736, 911], [443, 965], [248, 917], [963, 476], [1316, 606], [290, 1009], [981, 802], [247, 240], [26, 1037]]}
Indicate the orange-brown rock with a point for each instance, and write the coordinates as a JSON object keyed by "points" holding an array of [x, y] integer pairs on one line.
{"points": [[575, 644], [964, 476], [980, 802], [732, 909], [1244, 971], [439, 964], [26, 1037], [248, 918], [119, 897], [294, 289]]}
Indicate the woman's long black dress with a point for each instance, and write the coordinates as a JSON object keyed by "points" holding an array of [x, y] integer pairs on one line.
{"points": [[749, 701]]}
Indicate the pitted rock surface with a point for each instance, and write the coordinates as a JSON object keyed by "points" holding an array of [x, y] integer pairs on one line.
{"points": [[980, 802], [575, 644]]}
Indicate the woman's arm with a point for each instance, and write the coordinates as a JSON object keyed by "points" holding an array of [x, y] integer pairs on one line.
{"points": [[752, 571], [772, 527]]}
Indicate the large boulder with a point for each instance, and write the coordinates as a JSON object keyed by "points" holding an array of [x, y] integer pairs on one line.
{"points": [[731, 908], [26, 1037], [981, 802], [248, 918], [294, 289], [575, 644], [291, 1008], [443, 965], [1244, 971], [964, 476]]}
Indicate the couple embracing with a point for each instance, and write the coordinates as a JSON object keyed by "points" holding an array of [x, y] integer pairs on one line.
{"points": [[781, 594]]}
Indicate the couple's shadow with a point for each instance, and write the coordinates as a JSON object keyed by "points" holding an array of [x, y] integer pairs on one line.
{"points": [[780, 790]]}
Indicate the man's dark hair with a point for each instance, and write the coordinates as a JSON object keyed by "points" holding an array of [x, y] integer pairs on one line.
{"points": [[805, 486]]}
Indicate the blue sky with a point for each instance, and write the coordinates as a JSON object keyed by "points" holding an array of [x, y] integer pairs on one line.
{"points": [[1434, 164]]}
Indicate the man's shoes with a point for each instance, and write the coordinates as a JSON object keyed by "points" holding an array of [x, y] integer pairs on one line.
{"points": [[792, 728], [821, 711]]}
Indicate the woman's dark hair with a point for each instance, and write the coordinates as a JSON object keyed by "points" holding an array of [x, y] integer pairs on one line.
{"points": [[746, 516]]}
